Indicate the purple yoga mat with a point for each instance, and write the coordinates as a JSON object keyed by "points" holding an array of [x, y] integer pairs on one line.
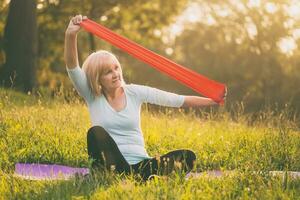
{"points": [[37, 171]]}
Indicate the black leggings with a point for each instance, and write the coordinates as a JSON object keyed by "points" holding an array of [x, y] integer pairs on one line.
{"points": [[105, 154]]}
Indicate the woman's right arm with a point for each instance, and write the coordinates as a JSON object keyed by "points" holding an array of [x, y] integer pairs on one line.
{"points": [[75, 73], [70, 53]]}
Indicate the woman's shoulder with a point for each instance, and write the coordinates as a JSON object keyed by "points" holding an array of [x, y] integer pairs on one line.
{"points": [[134, 89]]}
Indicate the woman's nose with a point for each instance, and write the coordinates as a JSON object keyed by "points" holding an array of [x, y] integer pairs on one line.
{"points": [[115, 73]]}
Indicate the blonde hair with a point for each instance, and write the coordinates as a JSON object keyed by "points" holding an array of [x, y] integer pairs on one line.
{"points": [[95, 65]]}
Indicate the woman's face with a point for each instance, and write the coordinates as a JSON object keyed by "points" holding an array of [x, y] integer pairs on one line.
{"points": [[111, 77]]}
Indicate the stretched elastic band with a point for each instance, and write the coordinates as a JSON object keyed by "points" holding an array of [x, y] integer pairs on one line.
{"points": [[193, 80]]}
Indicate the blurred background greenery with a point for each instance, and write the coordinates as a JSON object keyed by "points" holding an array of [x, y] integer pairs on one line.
{"points": [[250, 45]]}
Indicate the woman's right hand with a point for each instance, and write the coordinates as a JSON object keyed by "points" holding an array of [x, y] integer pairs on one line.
{"points": [[74, 26]]}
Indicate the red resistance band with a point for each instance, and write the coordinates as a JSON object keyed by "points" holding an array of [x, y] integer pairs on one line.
{"points": [[193, 80]]}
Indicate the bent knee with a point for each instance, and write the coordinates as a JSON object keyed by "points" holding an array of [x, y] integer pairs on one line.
{"points": [[189, 154], [96, 131]]}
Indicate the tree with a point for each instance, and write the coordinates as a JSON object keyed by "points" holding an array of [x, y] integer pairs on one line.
{"points": [[239, 46], [3, 14], [135, 19], [20, 46]]}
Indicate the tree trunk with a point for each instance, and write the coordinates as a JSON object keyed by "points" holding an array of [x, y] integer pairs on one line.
{"points": [[92, 16], [20, 45]]}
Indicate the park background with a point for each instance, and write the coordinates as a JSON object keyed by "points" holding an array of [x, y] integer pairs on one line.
{"points": [[250, 45]]}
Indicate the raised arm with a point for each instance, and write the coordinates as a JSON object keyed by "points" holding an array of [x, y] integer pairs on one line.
{"points": [[76, 74], [71, 54]]}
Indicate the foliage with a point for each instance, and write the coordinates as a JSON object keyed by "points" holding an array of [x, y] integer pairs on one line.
{"points": [[234, 42], [134, 19], [239, 45], [3, 15]]}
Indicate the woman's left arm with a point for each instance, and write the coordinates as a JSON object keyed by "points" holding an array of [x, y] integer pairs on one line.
{"points": [[195, 101]]}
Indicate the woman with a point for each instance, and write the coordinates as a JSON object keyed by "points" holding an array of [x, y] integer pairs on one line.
{"points": [[115, 138]]}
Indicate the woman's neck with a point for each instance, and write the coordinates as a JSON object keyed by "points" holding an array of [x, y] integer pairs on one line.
{"points": [[112, 94]]}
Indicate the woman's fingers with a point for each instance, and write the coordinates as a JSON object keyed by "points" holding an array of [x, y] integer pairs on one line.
{"points": [[75, 21], [78, 19]]}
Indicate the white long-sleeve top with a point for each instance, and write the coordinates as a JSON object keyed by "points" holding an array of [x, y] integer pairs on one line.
{"points": [[123, 126]]}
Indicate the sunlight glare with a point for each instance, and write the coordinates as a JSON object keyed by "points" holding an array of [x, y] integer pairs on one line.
{"points": [[39, 6], [289, 23], [192, 13], [287, 45], [116, 9], [165, 39], [210, 20], [293, 10], [157, 32], [253, 3], [221, 11], [238, 40], [169, 51], [55, 2], [296, 34], [271, 7], [251, 30], [176, 29], [103, 18]]}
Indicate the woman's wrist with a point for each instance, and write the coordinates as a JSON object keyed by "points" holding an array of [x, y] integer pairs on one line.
{"points": [[212, 102], [70, 33]]}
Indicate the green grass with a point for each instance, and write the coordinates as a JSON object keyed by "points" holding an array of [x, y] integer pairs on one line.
{"points": [[37, 129]]}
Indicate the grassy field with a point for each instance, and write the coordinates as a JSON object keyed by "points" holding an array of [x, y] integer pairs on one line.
{"points": [[35, 129]]}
